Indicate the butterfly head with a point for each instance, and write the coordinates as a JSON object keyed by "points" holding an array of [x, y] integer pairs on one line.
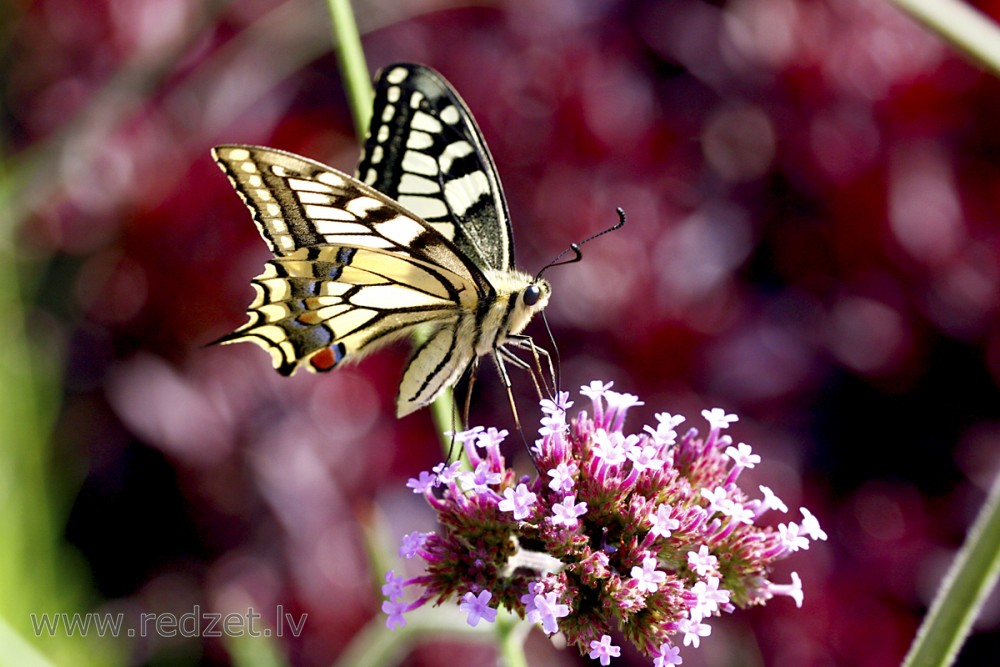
{"points": [[520, 297], [530, 299]]}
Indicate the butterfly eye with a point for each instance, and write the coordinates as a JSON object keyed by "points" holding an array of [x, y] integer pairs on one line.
{"points": [[531, 295]]}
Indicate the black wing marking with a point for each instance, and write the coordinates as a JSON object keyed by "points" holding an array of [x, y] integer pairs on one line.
{"points": [[425, 150]]}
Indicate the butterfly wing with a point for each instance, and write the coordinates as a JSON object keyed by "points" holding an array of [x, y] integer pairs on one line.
{"points": [[300, 203], [353, 270], [320, 306], [425, 150]]}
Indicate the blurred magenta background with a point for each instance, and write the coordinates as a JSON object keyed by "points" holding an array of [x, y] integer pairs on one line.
{"points": [[813, 192]]}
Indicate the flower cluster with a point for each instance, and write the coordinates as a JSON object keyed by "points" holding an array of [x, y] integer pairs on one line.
{"points": [[646, 535]]}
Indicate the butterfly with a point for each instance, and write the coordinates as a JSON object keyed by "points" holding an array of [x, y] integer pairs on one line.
{"points": [[421, 240]]}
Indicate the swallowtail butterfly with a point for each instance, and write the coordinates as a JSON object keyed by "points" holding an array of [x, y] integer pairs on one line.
{"points": [[422, 240]]}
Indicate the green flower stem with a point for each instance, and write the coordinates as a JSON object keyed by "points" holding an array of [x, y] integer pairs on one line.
{"points": [[974, 571], [971, 577], [357, 83], [255, 650], [961, 25], [377, 646], [353, 69], [512, 632]]}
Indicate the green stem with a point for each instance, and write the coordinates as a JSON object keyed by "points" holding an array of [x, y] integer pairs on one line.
{"points": [[961, 25], [377, 646], [971, 577], [512, 632], [353, 69], [976, 567], [358, 85]]}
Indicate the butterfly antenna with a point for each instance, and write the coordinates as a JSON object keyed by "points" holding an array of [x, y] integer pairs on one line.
{"points": [[575, 247]]}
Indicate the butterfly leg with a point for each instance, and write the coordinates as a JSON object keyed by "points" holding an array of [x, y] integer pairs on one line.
{"points": [[538, 353], [498, 356], [517, 362], [473, 370]]}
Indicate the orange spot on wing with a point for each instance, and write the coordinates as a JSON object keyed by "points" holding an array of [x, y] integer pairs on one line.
{"points": [[323, 360]]}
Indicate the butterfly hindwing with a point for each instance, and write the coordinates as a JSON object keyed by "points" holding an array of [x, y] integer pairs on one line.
{"points": [[320, 306], [436, 364], [425, 150]]}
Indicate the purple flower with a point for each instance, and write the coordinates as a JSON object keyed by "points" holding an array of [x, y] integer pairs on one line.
{"points": [[446, 474], [422, 484], [566, 512], [693, 630], [663, 522], [477, 607], [633, 531], [647, 577], [464, 437], [604, 650], [491, 438], [790, 537], [792, 590], [412, 542], [669, 655], [609, 447], [770, 502], [535, 588], [393, 586], [562, 477], [708, 598], [394, 611], [701, 561], [737, 512], [718, 419], [718, 500], [743, 457], [554, 414], [618, 405], [547, 610], [595, 391], [810, 525], [664, 433], [518, 501], [481, 479]]}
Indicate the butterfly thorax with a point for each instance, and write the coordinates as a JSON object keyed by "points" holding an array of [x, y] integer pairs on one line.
{"points": [[518, 297]]}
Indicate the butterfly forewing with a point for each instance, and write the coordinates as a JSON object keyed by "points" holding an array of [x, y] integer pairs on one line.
{"points": [[425, 150], [301, 203]]}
